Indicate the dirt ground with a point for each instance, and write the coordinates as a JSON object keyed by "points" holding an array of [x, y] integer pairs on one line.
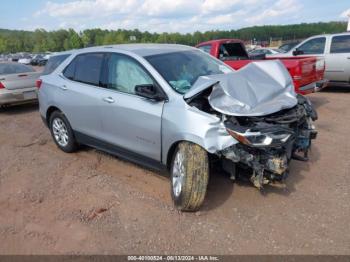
{"points": [[92, 203]]}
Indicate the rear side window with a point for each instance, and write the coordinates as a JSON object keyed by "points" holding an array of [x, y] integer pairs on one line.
{"points": [[53, 63], [88, 68], [70, 70], [85, 68], [340, 44], [205, 48]]}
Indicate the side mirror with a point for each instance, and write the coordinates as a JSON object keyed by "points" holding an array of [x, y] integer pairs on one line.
{"points": [[297, 52], [149, 91]]}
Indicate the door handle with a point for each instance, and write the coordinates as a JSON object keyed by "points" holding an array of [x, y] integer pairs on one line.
{"points": [[109, 100], [63, 87]]}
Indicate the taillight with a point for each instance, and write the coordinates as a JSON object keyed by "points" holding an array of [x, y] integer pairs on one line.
{"points": [[2, 85], [38, 83]]}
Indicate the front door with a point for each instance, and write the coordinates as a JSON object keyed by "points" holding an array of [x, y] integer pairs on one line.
{"points": [[130, 121]]}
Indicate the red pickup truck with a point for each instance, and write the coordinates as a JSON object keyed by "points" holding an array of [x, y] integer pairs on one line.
{"points": [[307, 72]]}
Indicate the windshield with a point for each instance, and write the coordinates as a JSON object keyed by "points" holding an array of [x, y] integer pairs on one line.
{"points": [[182, 69]]}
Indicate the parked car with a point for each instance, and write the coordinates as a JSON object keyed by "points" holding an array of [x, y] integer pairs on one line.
{"points": [[307, 72], [26, 60], [288, 46], [175, 108], [17, 83], [263, 51], [334, 48], [14, 57], [36, 59], [40, 59]]}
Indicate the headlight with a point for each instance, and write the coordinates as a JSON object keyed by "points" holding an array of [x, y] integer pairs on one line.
{"points": [[260, 138]]}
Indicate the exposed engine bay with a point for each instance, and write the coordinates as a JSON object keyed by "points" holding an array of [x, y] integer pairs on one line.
{"points": [[266, 143]]}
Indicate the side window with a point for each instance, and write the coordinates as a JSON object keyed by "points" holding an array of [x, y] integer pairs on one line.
{"points": [[88, 68], [70, 69], [340, 44], [314, 46], [205, 48], [53, 63], [124, 74], [223, 52]]}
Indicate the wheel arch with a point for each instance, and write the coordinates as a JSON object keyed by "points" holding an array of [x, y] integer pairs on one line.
{"points": [[173, 146], [49, 112]]}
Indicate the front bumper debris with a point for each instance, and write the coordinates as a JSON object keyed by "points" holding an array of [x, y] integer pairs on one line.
{"points": [[269, 163]]}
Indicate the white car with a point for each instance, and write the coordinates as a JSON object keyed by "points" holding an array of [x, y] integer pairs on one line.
{"points": [[264, 51], [25, 60], [335, 48]]}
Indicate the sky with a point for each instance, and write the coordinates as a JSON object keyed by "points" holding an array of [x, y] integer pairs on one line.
{"points": [[184, 16]]}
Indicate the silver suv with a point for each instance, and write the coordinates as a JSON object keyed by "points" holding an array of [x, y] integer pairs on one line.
{"points": [[175, 108]]}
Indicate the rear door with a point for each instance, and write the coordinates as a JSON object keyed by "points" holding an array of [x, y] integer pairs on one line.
{"points": [[17, 76], [78, 93], [338, 59], [130, 121]]}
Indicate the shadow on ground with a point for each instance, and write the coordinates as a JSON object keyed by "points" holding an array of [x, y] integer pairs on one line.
{"points": [[336, 89], [19, 109]]}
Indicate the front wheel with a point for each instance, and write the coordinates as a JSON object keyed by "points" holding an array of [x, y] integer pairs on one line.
{"points": [[189, 176]]}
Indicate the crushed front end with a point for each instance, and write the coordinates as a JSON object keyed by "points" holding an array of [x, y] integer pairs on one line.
{"points": [[268, 143]]}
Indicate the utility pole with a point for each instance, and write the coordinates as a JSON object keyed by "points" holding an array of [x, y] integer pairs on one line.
{"points": [[349, 22]]}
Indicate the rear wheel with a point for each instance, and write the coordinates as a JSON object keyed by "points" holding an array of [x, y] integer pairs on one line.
{"points": [[189, 176], [62, 132]]}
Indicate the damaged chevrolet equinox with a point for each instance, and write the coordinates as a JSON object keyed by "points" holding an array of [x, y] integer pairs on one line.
{"points": [[175, 108]]}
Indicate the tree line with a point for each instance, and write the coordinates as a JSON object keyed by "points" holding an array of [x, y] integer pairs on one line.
{"points": [[40, 40]]}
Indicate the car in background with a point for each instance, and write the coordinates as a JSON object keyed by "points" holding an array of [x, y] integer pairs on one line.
{"points": [[17, 83], [334, 49], [263, 51], [14, 57], [287, 46], [307, 72], [42, 61], [25, 59], [177, 109], [36, 59]]}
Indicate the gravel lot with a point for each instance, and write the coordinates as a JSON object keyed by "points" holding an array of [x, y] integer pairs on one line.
{"points": [[93, 203]]}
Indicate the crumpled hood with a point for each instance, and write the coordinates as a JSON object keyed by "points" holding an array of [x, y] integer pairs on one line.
{"points": [[260, 88]]}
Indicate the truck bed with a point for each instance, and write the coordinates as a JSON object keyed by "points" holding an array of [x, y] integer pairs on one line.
{"points": [[305, 71]]}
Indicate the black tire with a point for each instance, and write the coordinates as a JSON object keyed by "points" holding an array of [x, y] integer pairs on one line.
{"points": [[71, 145], [195, 179]]}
